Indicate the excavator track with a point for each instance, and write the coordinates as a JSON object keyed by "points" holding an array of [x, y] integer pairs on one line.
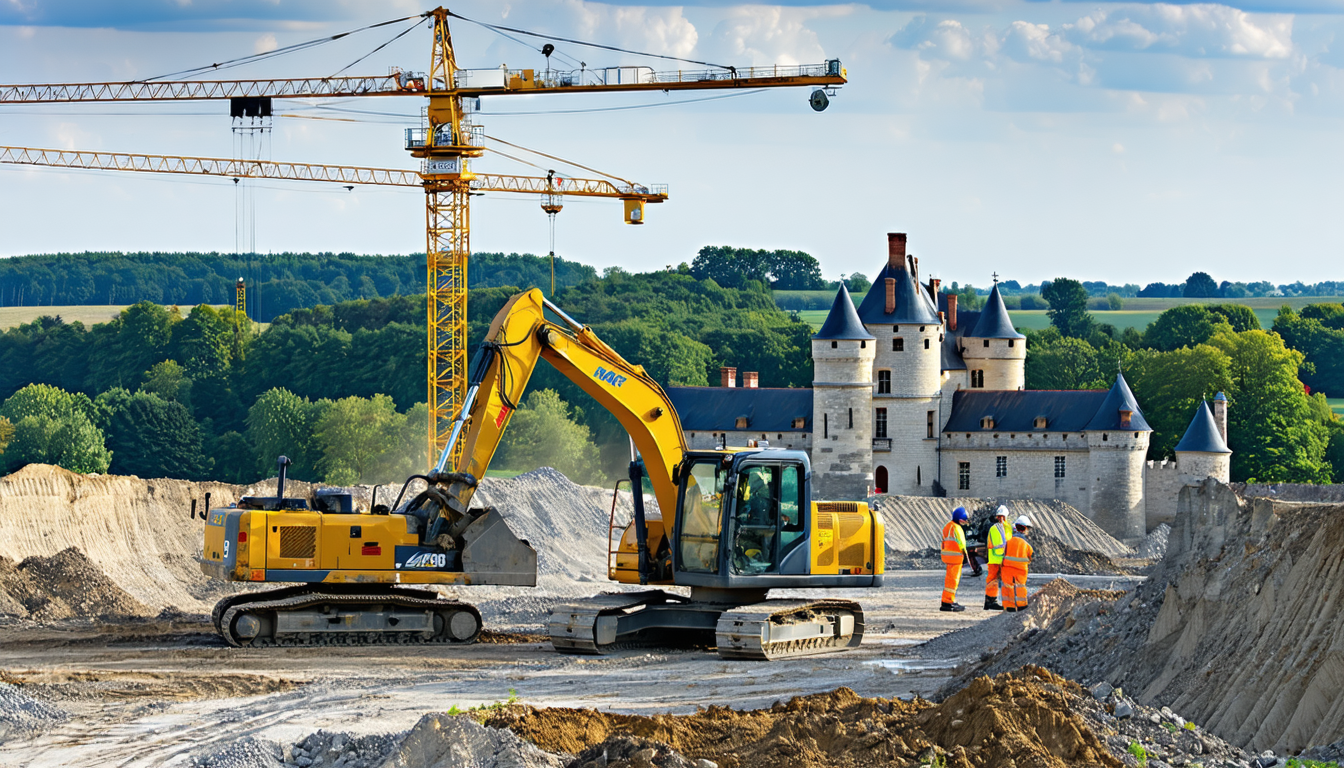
{"points": [[301, 616], [592, 626], [781, 629]]}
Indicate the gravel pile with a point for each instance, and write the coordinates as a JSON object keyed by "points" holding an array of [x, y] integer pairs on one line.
{"points": [[1161, 736], [458, 741], [325, 749], [22, 716], [634, 752], [246, 752], [1154, 546]]}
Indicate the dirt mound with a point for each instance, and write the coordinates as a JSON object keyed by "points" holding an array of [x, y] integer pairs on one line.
{"points": [[1238, 629], [1154, 546], [916, 523], [1022, 719], [630, 752], [1050, 555], [63, 586]]}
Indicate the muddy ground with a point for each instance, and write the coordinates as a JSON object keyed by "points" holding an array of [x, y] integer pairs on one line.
{"points": [[162, 691]]}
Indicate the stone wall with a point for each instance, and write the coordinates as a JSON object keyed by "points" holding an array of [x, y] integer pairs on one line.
{"points": [[1117, 464], [704, 441], [1003, 361], [842, 423], [1030, 465], [1162, 484], [912, 461]]}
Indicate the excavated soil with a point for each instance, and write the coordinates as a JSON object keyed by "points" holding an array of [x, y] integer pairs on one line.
{"points": [[63, 586], [1016, 720], [915, 523], [1240, 628]]}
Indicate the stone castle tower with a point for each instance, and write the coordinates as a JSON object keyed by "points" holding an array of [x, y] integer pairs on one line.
{"points": [[995, 353], [1202, 451], [842, 402], [1117, 441]]}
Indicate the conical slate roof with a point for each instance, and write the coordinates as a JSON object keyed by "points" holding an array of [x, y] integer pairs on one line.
{"points": [[912, 304], [843, 321], [1202, 435], [994, 322], [1117, 400]]}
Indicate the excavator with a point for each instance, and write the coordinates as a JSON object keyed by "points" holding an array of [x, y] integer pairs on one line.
{"points": [[731, 525]]}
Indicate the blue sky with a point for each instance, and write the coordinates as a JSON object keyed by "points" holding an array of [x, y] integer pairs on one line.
{"points": [[1128, 142]]}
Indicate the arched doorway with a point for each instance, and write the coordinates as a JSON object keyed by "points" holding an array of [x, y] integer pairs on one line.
{"points": [[881, 479]]}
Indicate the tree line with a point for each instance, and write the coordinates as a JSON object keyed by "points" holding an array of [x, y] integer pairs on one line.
{"points": [[1280, 429]]}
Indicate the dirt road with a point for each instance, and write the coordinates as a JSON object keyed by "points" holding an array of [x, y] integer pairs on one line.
{"points": [[155, 694]]}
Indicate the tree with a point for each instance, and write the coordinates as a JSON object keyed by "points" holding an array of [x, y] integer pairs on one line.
{"points": [[153, 437], [52, 426], [280, 423], [543, 434], [6, 433], [1068, 307], [169, 381], [968, 298], [234, 458], [1184, 326], [1064, 364], [1200, 286], [1115, 302], [1239, 316], [354, 434], [1270, 423], [858, 283], [1323, 347], [202, 343], [1169, 385]]}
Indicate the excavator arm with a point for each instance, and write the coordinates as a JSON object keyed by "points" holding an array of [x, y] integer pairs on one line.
{"points": [[520, 335]]}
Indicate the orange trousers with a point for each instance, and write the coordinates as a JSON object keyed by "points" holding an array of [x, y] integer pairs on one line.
{"points": [[1014, 588], [950, 582], [993, 580]]}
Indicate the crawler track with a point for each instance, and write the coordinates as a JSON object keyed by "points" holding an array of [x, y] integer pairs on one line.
{"points": [[780, 629], [302, 616]]}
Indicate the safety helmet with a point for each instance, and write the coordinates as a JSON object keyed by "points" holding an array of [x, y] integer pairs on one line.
{"points": [[1002, 511], [959, 515], [1023, 522]]}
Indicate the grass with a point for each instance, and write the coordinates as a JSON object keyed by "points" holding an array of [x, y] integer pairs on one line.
{"points": [[507, 474], [513, 699], [86, 314], [1140, 754], [1138, 313]]}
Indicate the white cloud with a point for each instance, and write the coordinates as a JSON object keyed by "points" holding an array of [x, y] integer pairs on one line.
{"points": [[656, 30], [1204, 30], [763, 34], [265, 44], [1024, 41]]}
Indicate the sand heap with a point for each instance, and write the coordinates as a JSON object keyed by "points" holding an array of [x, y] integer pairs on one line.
{"points": [[915, 523], [63, 586], [1021, 719], [1240, 629]]}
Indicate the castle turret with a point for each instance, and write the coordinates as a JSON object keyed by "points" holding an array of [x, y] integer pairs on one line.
{"points": [[1117, 441], [906, 375], [995, 353], [842, 401], [1202, 451]]}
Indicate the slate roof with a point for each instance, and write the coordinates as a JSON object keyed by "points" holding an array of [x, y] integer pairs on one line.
{"points": [[843, 321], [994, 322], [1119, 398], [1202, 434], [716, 409], [1016, 410], [912, 303]]}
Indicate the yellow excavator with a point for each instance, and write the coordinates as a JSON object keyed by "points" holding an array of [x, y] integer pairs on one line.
{"points": [[733, 524]]}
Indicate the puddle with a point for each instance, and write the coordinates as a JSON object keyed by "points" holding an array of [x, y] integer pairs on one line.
{"points": [[915, 666]]}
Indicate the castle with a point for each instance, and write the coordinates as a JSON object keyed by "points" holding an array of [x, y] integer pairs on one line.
{"points": [[915, 396]]}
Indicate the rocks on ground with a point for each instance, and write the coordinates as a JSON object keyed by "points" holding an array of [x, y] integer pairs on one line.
{"points": [[65, 585], [22, 716], [458, 741], [1154, 545]]}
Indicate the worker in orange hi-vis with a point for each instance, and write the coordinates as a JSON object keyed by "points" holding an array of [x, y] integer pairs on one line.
{"points": [[954, 554], [999, 534], [1016, 558]]}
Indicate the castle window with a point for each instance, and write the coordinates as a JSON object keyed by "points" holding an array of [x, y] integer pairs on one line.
{"points": [[799, 423], [1011, 342], [921, 329], [926, 343], [851, 418], [1040, 422], [881, 478], [898, 345], [825, 426], [895, 329], [928, 424], [1103, 437], [863, 344], [880, 423], [987, 423], [986, 342], [977, 379], [1059, 467], [919, 475], [835, 344], [963, 475], [1000, 466], [884, 382]]}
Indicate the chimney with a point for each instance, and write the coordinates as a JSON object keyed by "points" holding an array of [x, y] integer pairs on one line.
{"points": [[728, 376], [951, 311], [890, 283], [751, 379], [942, 318], [934, 285], [1220, 414], [896, 250]]}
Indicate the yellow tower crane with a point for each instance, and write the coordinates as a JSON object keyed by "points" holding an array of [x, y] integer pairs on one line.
{"points": [[445, 144]]}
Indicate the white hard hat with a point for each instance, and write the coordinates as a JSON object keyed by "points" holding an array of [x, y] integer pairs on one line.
{"points": [[1023, 521], [1002, 511]]}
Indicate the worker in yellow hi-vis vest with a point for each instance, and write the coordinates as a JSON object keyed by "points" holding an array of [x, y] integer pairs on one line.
{"points": [[954, 554], [1016, 558], [999, 534]]}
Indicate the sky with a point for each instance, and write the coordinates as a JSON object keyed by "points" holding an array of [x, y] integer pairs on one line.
{"points": [[1126, 142]]}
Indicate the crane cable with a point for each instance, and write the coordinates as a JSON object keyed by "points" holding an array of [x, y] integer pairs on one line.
{"points": [[562, 160]]}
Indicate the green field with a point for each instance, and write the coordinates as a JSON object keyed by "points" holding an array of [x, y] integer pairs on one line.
{"points": [[1138, 313], [86, 314], [1336, 405]]}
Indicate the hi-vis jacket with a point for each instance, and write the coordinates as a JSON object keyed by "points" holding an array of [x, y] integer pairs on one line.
{"points": [[954, 543], [1017, 555], [999, 534]]}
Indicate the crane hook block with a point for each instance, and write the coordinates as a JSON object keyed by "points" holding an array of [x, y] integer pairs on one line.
{"points": [[634, 211], [818, 100]]}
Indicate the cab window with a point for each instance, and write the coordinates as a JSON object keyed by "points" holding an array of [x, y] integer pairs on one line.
{"points": [[791, 520], [756, 523], [702, 517]]}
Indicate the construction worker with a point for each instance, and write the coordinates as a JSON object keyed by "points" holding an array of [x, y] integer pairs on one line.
{"points": [[954, 554], [999, 534], [1016, 558]]}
